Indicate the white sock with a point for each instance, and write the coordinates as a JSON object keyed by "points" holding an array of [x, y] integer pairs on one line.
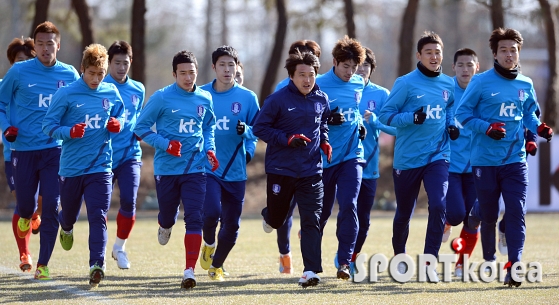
{"points": [[119, 244], [211, 246]]}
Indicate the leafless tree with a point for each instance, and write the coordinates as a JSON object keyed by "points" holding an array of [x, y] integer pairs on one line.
{"points": [[41, 14], [138, 42], [406, 38], [349, 14], [551, 30], [82, 10]]}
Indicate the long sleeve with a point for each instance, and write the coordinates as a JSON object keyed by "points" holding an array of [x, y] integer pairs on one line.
{"points": [[469, 101], [208, 129], [51, 122], [263, 128], [147, 118], [390, 113], [7, 86]]}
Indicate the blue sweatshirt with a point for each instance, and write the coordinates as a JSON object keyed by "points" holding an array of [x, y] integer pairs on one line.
{"points": [[187, 117], [419, 145], [237, 103], [491, 98], [287, 112], [374, 97], [125, 145], [461, 147], [77, 103], [31, 86], [344, 138]]}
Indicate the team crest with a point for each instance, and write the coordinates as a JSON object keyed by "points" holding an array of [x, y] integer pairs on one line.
{"points": [[106, 104], [62, 178], [371, 105], [478, 172], [357, 97], [14, 161], [318, 108], [276, 189], [158, 178], [398, 172], [60, 84], [236, 108], [135, 100], [521, 95], [200, 110], [446, 95]]}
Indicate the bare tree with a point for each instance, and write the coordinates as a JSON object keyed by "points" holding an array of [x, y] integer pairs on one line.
{"points": [[138, 42], [224, 23], [205, 69], [551, 30], [275, 58], [406, 37], [497, 14], [41, 14], [82, 10], [350, 23]]}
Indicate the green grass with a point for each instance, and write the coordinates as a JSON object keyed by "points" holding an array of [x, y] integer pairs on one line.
{"points": [[156, 270]]}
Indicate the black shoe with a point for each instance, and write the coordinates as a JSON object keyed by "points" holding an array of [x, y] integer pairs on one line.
{"points": [[509, 281], [343, 272]]}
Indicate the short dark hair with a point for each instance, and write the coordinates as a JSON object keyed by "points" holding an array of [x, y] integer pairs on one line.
{"points": [[225, 51], [504, 34], [465, 52], [349, 49], [305, 46], [370, 58], [305, 58], [47, 27], [27, 46], [427, 38], [120, 47], [184, 57]]}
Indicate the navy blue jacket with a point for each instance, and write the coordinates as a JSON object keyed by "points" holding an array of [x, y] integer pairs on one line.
{"points": [[287, 112]]}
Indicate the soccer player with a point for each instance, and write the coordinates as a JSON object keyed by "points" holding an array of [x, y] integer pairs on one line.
{"points": [[28, 88], [420, 106], [184, 143], [20, 50], [461, 194], [235, 109], [374, 97], [240, 74], [496, 107], [342, 176], [84, 115], [127, 152], [293, 121], [285, 263]]}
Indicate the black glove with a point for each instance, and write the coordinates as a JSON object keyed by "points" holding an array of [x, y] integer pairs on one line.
{"points": [[336, 118], [362, 132], [298, 140], [453, 132], [248, 157], [241, 127], [419, 116], [544, 131], [496, 131]]}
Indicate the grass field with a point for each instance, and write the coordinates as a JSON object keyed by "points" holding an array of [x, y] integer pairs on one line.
{"points": [[156, 271]]}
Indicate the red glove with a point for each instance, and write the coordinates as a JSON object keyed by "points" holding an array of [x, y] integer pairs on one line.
{"points": [[11, 134], [77, 131], [545, 132], [327, 149], [174, 148], [213, 160], [298, 140], [496, 131], [531, 148], [113, 125]]}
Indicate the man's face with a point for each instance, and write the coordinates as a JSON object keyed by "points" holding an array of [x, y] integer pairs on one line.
{"points": [[345, 69], [225, 68], [46, 47], [93, 76], [119, 67], [508, 54], [239, 76], [365, 70], [185, 76], [465, 68], [431, 56], [304, 78]]}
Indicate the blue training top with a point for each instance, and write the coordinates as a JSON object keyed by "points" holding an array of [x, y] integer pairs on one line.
{"points": [[460, 148], [374, 97], [31, 86], [491, 98], [125, 145], [419, 145], [77, 103], [237, 103], [187, 117], [344, 138]]}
